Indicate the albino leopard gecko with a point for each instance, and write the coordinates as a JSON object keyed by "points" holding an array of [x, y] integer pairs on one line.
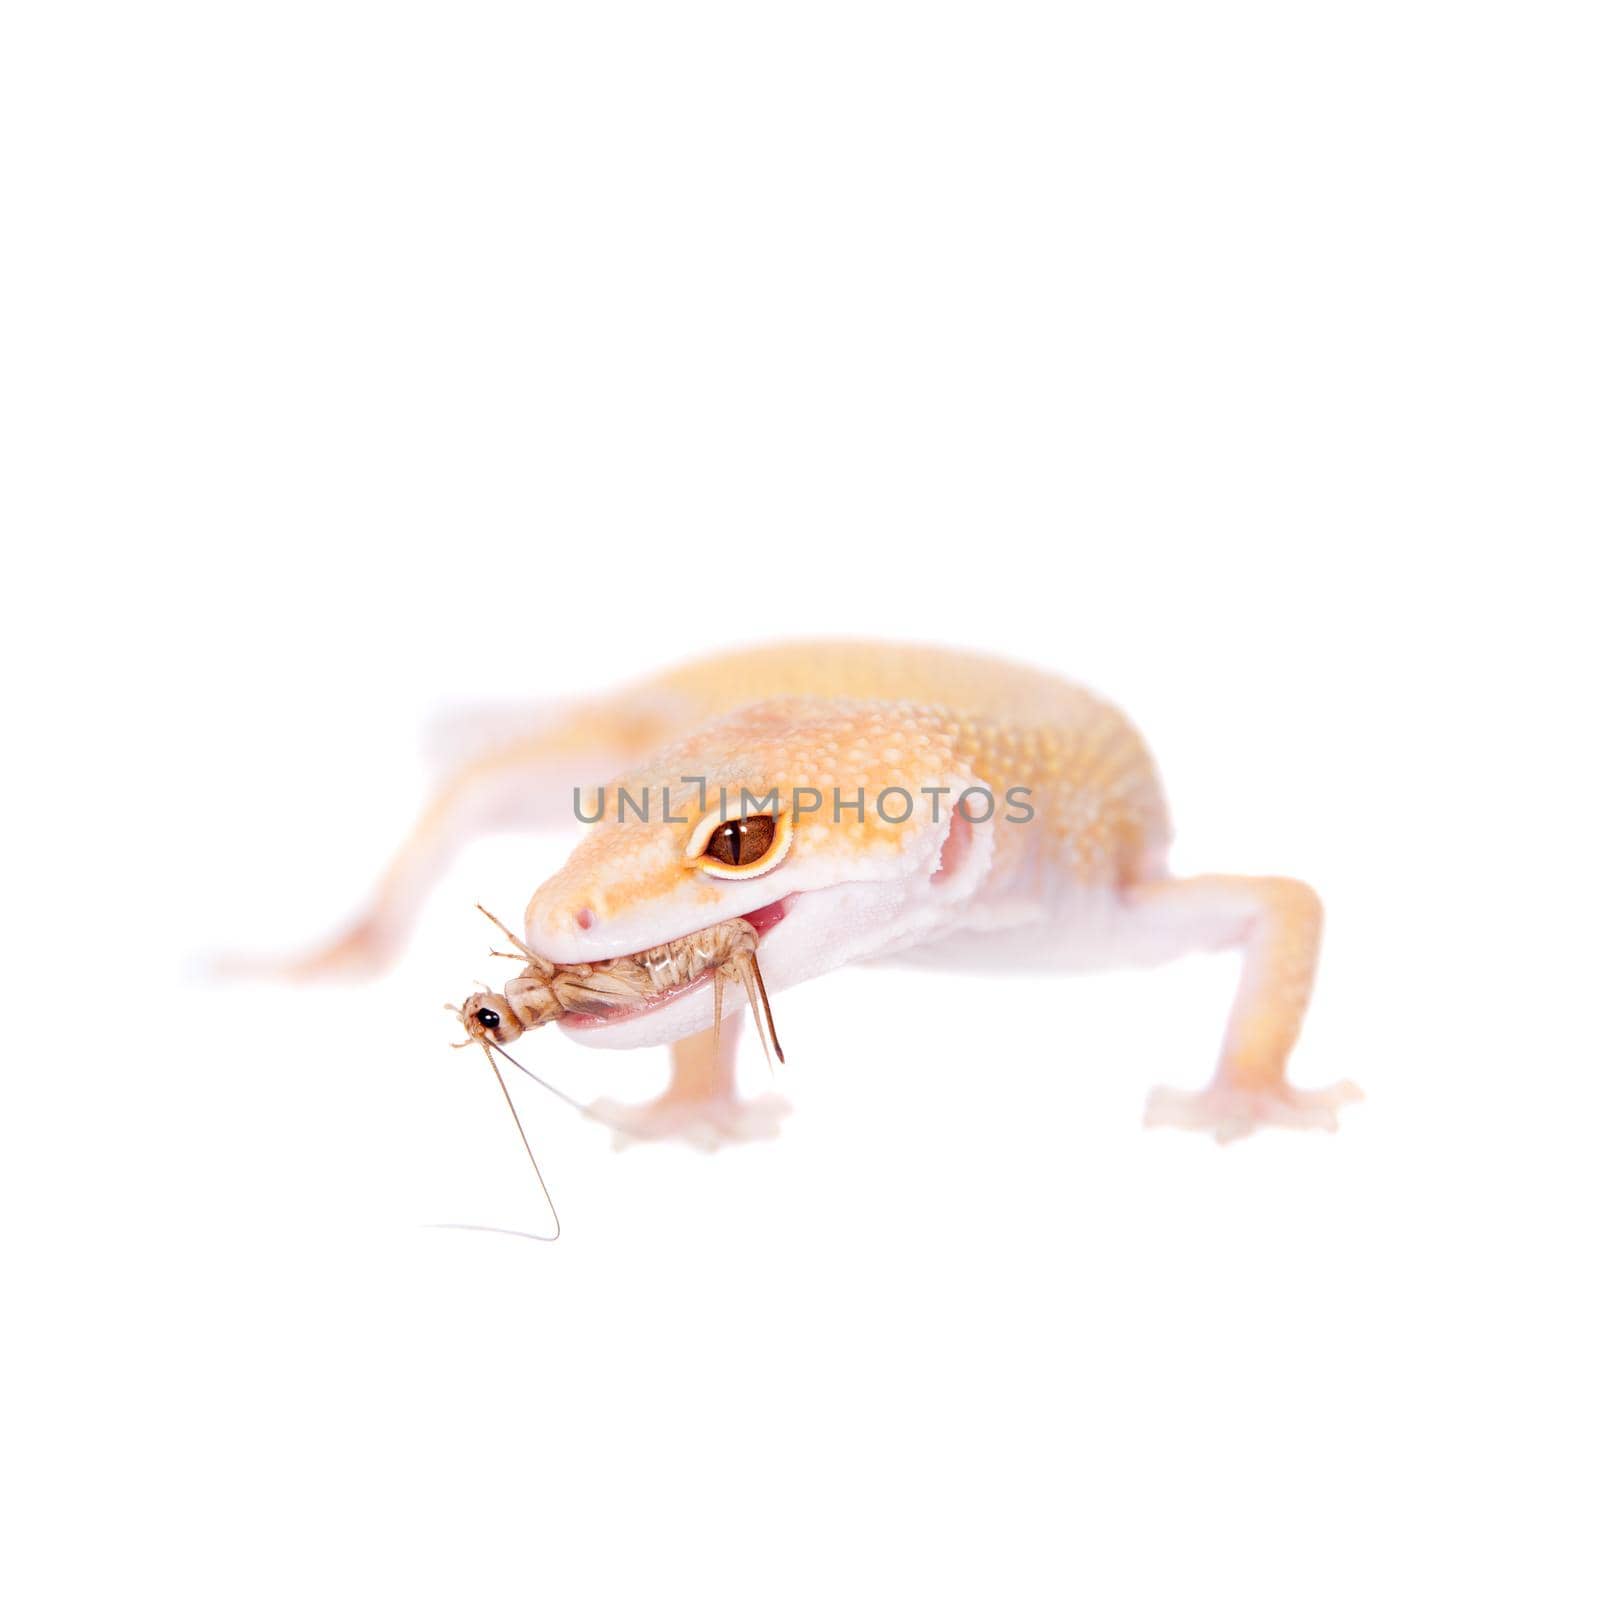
{"points": [[884, 801]]}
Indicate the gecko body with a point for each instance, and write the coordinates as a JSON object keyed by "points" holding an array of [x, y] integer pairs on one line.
{"points": [[853, 802]]}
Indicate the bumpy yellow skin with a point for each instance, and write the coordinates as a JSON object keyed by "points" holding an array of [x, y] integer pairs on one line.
{"points": [[1082, 882], [872, 718]]}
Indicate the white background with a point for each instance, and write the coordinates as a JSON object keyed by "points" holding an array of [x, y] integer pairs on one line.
{"points": [[1237, 359]]}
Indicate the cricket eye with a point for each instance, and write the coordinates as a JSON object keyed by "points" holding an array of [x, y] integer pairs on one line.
{"points": [[490, 1019], [742, 847]]}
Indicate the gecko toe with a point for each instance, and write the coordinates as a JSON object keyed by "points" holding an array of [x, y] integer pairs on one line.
{"points": [[704, 1123], [1230, 1111]]}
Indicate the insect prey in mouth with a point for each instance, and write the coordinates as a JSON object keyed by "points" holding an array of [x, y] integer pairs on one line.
{"points": [[545, 991]]}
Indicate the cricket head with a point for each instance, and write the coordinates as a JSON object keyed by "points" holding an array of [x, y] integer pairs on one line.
{"points": [[802, 835]]}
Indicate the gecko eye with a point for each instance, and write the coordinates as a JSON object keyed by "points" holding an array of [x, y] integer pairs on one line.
{"points": [[742, 843], [740, 847]]}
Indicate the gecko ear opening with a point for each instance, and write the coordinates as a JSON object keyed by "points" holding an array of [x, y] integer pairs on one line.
{"points": [[955, 854], [956, 848]]}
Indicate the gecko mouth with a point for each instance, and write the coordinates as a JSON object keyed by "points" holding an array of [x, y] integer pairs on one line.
{"points": [[596, 994], [673, 969]]}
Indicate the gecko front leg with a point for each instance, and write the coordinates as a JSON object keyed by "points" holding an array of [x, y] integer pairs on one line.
{"points": [[700, 1104], [1277, 922]]}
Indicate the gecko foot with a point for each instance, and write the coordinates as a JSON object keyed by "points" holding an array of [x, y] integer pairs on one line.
{"points": [[1231, 1111], [706, 1123]]}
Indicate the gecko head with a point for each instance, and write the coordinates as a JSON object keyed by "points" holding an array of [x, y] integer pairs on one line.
{"points": [[833, 829]]}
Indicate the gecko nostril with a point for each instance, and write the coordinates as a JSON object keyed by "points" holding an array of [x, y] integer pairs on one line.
{"points": [[584, 917]]}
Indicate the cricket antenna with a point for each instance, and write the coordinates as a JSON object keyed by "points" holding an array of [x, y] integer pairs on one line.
{"points": [[522, 1133]]}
